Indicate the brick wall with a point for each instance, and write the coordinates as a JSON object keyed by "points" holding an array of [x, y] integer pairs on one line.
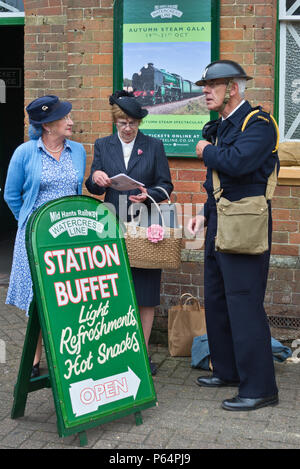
{"points": [[69, 52]]}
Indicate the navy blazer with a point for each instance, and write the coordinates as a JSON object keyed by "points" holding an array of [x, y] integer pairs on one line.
{"points": [[147, 164], [244, 160]]}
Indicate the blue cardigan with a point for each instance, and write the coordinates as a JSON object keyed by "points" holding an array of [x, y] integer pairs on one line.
{"points": [[24, 175]]}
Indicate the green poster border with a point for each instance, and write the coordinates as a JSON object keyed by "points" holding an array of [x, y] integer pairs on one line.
{"points": [[12, 20], [118, 51], [87, 422], [277, 65]]}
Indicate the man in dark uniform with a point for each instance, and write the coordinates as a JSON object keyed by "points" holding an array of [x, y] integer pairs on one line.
{"points": [[234, 284]]}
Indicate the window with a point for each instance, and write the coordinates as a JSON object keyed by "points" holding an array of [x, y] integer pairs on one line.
{"points": [[289, 75], [289, 92], [11, 12], [11, 8]]}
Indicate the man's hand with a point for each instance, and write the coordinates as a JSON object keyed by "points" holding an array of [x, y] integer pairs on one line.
{"points": [[200, 147], [101, 179], [140, 197], [195, 224]]}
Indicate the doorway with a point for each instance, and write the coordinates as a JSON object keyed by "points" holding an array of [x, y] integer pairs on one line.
{"points": [[11, 125]]}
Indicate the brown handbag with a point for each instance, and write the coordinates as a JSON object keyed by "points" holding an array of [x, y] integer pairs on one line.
{"points": [[185, 321]]}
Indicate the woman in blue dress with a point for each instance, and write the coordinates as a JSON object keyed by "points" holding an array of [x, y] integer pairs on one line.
{"points": [[45, 168]]}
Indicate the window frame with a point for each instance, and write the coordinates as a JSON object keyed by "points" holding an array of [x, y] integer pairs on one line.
{"points": [[282, 23], [288, 175]]}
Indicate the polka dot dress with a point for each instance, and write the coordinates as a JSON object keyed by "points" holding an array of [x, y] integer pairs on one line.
{"points": [[58, 179]]}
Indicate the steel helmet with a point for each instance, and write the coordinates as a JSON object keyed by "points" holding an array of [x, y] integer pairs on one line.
{"points": [[222, 69]]}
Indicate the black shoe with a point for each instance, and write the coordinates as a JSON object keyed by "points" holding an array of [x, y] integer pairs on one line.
{"points": [[246, 404], [35, 370], [153, 367], [214, 382]]}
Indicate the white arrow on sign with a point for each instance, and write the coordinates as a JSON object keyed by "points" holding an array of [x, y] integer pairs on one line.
{"points": [[87, 395]]}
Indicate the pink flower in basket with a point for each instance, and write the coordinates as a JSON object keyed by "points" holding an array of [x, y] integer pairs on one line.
{"points": [[140, 152], [155, 233]]}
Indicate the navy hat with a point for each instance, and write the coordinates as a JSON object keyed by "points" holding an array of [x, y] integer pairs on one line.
{"points": [[127, 102], [222, 69], [47, 109]]}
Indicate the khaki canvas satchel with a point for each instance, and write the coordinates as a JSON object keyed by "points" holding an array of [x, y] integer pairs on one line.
{"points": [[243, 224]]}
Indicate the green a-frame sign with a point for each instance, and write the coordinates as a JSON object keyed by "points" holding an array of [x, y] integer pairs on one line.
{"points": [[84, 303]]}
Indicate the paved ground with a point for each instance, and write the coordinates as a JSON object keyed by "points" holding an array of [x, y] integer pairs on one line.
{"points": [[188, 417]]}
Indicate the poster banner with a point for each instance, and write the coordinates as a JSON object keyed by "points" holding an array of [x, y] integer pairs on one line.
{"points": [[165, 50]]}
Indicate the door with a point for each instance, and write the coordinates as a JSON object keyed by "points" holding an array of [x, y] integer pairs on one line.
{"points": [[11, 110]]}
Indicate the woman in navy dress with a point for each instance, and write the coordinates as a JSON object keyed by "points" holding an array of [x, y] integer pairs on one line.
{"points": [[143, 158], [45, 168]]}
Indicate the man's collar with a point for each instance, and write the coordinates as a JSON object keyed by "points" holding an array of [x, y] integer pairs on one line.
{"points": [[239, 113], [235, 109]]}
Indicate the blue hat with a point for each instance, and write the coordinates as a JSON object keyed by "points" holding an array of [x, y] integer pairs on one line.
{"points": [[127, 102], [47, 109]]}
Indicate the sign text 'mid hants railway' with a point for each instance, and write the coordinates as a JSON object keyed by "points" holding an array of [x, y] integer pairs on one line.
{"points": [[98, 363]]}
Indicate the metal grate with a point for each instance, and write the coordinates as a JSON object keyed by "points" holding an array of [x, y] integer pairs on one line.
{"points": [[286, 322]]}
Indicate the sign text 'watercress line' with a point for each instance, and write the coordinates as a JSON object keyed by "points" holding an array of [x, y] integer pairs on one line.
{"points": [[83, 289]]}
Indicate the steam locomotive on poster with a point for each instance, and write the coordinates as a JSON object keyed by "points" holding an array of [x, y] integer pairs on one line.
{"points": [[152, 86]]}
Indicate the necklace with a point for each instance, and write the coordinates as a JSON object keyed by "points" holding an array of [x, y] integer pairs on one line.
{"points": [[53, 151]]}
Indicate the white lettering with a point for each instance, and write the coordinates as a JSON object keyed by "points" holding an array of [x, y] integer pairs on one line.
{"points": [[49, 262], [77, 258]]}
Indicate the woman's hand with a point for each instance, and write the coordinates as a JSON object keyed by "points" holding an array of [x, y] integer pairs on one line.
{"points": [[101, 179], [140, 197]]}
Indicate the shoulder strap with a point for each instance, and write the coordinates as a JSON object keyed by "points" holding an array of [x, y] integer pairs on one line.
{"points": [[247, 118], [277, 133], [272, 180]]}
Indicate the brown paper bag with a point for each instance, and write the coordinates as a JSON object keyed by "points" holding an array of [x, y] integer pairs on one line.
{"points": [[185, 321]]}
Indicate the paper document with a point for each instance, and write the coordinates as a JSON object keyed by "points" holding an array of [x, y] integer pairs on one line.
{"points": [[122, 182]]}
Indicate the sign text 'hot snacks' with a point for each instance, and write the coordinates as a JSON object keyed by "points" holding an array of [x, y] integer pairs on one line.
{"points": [[86, 294]]}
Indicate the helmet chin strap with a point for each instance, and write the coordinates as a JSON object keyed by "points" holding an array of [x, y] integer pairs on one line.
{"points": [[226, 97]]}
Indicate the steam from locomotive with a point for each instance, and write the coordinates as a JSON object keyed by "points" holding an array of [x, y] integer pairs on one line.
{"points": [[152, 86]]}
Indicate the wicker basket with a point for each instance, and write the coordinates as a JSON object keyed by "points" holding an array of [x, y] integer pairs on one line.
{"points": [[142, 253], [165, 254]]}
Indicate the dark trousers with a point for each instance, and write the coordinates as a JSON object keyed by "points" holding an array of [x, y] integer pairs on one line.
{"points": [[237, 327]]}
